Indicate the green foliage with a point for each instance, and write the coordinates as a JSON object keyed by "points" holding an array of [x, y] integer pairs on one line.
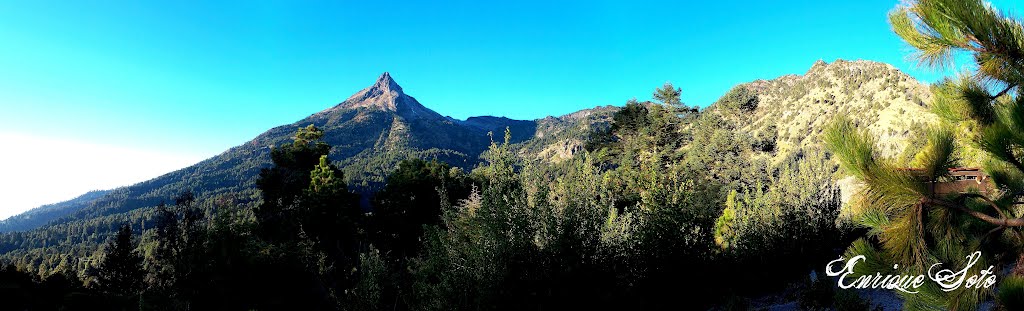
{"points": [[661, 194], [890, 206], [668, 95], [909, 223], [785, 219], [120, 272], [73, 230], [938, 28], [631, 119], [179, 239], [725, 233], [1011, 293], [614, 226], [715, 150], [285, 184], [319, 222], [739, 98], [369, 292], [323, 180], [37, 217], [888, 190], [411, 199]]}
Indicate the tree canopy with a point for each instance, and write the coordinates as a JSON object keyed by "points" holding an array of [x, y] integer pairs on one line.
{"points": [[912, 224]]}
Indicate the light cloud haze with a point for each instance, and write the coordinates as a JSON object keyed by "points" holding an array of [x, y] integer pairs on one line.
{"points": [[42, 170]]}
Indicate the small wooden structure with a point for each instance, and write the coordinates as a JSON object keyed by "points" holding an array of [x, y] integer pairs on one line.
{"points": [[961, 180]]}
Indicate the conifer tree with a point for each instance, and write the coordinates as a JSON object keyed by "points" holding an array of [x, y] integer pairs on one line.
{"points": [[283, 184], [668, 95], [910, 223], [328, 213], [121, 270], [179, 251]]}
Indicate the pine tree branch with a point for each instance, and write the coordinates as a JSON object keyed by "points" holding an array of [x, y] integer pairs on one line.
{"points": [[989, 234], [987, 200], [1017, 163], [1003, 92], [1008, 222]]}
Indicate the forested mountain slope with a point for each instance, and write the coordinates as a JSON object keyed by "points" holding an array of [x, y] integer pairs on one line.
{"points": [[41, 215], [379, 126], [371, 132]]}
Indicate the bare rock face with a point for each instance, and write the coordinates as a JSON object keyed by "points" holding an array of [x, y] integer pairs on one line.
{"points": [[386, 95]]}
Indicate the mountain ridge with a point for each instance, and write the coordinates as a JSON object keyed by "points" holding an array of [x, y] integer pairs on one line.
{"points": [[380, 125], [371, 131], [42, 214], [795, 108]]}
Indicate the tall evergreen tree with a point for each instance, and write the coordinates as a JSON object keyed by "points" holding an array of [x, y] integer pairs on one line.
{"points": [[179, 249], [669, 95], [284, 184], [121, 272], [310, 224], [162, 274], [329, 214]]}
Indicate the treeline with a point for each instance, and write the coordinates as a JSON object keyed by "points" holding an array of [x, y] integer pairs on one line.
{"points": [[668, 208]]}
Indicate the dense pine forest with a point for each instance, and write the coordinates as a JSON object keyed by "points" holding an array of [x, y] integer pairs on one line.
{"points": [[653, 205]]}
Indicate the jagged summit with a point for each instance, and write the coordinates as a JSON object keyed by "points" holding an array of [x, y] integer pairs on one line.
{"points": [[386, 83], [386, 95]]}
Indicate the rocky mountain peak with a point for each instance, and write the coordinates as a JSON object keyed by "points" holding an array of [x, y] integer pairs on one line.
{"points": [[386, 95], [386, 84]]}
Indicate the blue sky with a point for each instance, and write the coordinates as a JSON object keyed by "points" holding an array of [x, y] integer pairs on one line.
{"points": [[185, 80]]}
